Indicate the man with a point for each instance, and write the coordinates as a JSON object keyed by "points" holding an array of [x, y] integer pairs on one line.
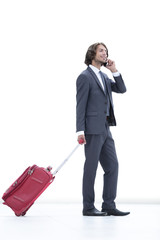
{"points": [[94, 116]]}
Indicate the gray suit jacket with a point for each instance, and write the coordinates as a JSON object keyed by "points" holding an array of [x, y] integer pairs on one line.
{"points": [[91, 101]]}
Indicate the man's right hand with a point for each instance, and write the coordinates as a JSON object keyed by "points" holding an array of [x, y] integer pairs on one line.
{"points": [[83, 138]]}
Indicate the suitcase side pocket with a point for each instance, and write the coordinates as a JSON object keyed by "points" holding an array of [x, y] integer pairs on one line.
{"points": [[19, 181]]}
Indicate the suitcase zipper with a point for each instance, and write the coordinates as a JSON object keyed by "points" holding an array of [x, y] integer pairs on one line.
{"points": [[30, 171], [14, 184]]}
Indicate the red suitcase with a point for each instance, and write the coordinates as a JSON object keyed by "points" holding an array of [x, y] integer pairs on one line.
{"points": [[27, 188], [21, 195]]}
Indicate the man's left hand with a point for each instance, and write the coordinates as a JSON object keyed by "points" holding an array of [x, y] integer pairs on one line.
{"points": [[111, 66]]}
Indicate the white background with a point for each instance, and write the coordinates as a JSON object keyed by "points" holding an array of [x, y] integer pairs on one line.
{"points": [[42, 50]]}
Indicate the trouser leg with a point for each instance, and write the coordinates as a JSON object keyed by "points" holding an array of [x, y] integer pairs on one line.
{"points": [[92, 154], [109, 163]]}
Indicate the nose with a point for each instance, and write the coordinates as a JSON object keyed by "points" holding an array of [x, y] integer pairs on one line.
{"points": [[105, 54]]}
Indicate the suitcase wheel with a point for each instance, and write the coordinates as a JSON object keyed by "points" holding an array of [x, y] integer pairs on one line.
{"points": [[21, 214], [24, 213], [18, 215]]}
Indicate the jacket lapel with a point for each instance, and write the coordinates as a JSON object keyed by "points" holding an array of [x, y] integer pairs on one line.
{"points": [[96, 79]]}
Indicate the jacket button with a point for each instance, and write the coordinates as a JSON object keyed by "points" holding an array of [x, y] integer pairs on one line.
{"points": [[105, 102], [105, 112]]}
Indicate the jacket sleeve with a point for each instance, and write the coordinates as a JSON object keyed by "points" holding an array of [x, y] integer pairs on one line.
{"points": [[82, 86], [118, 86]]}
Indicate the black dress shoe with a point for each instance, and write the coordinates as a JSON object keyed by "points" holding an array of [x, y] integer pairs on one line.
{"points": [[94, 212], [115, 212]]}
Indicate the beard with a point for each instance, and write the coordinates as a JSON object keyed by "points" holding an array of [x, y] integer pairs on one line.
{"points": [[101, 62]]}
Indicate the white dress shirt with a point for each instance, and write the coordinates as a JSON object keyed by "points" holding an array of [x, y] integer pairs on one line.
{"points": [[96, 71]]}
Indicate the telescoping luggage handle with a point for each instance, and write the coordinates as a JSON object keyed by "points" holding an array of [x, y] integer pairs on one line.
{"points": [[61, 165]]}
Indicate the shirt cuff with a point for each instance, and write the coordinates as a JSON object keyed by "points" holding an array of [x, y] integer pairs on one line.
{"points": [[80, 133], [116, 74]]}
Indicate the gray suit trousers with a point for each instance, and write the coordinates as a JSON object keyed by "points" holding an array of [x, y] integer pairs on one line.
{"points": [[100, 148]]}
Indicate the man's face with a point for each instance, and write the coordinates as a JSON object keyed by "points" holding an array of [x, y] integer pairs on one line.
{"points": [[101, 54]]}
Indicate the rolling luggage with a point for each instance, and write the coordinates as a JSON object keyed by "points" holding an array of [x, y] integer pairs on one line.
{"points": [[21, 195]]}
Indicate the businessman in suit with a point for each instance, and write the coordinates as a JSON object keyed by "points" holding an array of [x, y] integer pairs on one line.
{"points": [[94, 116]]}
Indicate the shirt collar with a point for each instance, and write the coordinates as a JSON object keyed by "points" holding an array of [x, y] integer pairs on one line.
{"points": [[95, 70]]}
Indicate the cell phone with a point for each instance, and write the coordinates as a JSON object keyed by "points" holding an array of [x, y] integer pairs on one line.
{"points": [[105, 64]]}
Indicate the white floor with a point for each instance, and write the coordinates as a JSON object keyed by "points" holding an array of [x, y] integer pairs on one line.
{"points": [[65, 221]]}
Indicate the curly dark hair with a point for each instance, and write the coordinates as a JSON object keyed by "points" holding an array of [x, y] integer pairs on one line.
{"points": [[91, 52]]}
